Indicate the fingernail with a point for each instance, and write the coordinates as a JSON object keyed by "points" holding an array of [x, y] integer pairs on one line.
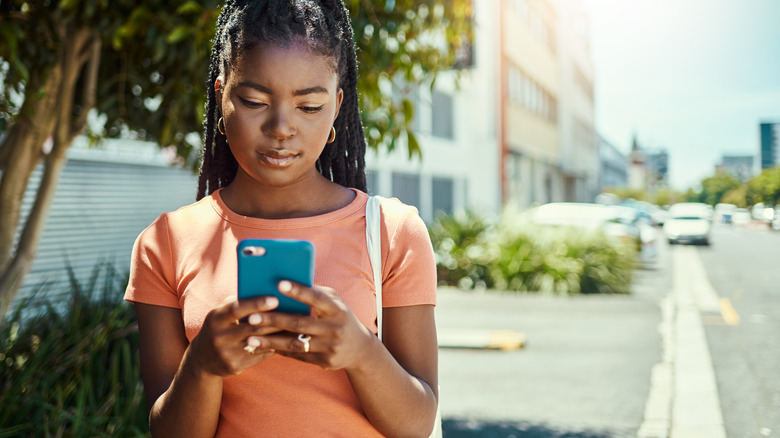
{"points": [[253, 341], [272, 301], [255, 319], [285, 286]]}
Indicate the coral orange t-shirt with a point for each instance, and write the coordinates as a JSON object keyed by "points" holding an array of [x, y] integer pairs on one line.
{"points": [[187, 260]]}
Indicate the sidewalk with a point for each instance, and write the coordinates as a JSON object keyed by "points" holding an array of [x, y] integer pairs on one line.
{"points": [[584, 371]]}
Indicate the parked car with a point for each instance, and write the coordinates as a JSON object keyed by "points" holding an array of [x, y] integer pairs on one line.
{"points": [[741, 216], [689, 222], [775, 224], [617, 221], [724, 213]]}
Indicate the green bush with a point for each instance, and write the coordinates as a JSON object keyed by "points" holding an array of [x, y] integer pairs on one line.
{"points": [[73, 371], [515, 255], [458, 242]]}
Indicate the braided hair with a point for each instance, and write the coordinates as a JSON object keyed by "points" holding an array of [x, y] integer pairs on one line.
{"points": [[325, 27]]}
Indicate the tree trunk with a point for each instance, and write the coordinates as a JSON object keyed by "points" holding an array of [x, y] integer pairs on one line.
{"points": [[52, 116]]}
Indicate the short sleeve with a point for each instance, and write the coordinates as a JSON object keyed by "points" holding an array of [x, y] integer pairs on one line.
{"points": [[151, 270], [409, 265]]}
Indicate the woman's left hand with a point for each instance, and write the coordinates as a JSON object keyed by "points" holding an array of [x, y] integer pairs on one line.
{"points": [[336, 339]]}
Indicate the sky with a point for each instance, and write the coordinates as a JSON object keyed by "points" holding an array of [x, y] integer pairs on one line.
{"points": [[694, 77]]}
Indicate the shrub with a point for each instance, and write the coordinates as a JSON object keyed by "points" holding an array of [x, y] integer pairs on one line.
{"points": [[73, 371], [458, 242], [516, 255]]}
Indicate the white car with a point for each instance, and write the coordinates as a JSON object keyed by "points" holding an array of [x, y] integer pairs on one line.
{"points": [[741, 216], [689, 222], [616, 221]]}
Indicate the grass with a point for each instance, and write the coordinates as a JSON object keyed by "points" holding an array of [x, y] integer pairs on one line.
{"points": [[73, 371]]}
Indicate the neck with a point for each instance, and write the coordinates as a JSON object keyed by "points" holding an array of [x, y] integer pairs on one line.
{"points": [[312, 196]]}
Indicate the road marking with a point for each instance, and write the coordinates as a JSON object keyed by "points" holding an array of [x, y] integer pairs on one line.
{"points": [[730, 315], [481, 339], [683, 399]]}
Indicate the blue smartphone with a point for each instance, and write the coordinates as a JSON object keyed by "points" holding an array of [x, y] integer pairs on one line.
{"points": [[263, 263]]}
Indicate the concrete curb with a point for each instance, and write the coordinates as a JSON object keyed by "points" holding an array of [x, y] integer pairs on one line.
{"points": [[481, 339], [683, 400]]}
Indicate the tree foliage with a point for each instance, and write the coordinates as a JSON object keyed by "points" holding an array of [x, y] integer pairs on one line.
{"points": [[714, 187], [765, 187]]}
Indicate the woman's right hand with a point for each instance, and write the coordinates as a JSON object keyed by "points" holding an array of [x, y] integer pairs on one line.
{"points": [[224, 345]]}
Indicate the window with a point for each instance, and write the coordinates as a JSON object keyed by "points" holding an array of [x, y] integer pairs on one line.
{"points": [[525, 92], [443, 195], [441, 120], [372, 179], [406, 187]]}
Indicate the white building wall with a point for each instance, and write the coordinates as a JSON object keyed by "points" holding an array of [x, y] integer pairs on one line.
{"points": [[579, 143], [471, 158]]}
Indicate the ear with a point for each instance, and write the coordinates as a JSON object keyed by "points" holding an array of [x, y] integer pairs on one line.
{"points": [[218, 84], [339, 99]]}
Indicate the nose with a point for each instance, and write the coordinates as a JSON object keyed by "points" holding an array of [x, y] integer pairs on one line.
{"points": [[279, 125]]}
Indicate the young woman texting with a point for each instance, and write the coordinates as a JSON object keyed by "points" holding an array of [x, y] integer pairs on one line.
{"points": [[284, 159]]}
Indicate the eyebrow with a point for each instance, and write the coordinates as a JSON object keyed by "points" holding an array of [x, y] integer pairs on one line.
{"points": [[266, 90]]}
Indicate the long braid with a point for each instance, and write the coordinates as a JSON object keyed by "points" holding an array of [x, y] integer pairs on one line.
{"points": [[325, 27]]}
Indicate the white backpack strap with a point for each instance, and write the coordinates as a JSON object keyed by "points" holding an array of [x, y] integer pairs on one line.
{"points": [[374, 243]]}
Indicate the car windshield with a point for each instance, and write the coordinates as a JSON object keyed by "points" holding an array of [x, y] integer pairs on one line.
{"points": [[688, 218]]}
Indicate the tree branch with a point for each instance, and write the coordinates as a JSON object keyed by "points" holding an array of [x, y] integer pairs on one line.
{"points": [[90, 84]]}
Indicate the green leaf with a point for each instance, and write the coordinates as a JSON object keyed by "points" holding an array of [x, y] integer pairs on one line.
{"points": [[20, 68], [179, 33], [408, 109], [413, 145], [69, 4], [189, 7]]}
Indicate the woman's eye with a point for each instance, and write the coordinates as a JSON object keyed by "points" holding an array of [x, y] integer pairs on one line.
{"points": [[312, 109], [250, 103]]}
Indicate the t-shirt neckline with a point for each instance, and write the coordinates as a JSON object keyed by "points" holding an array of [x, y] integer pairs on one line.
{"points": [[303, 222]]}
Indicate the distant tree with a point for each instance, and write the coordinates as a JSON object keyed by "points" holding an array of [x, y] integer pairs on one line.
{"points": [[691, 195], [736, 196], [765, 187], [142, 65], [628, 193], [714, 187]]}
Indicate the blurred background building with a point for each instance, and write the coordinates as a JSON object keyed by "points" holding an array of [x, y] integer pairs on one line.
{"points": [[769, 151], [648, 168], [516, 127], [106, 195], [739, 166], [613, 170]]}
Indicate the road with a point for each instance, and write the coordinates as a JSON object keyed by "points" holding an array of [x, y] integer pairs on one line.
{"points": [[743, 266], [587, 367]]}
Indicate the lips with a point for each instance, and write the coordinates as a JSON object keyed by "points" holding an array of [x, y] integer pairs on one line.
{"points": [[277, 159]]}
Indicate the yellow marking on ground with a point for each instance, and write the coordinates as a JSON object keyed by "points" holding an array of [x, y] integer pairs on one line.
{"points": [[730, 316], [506, 340]]}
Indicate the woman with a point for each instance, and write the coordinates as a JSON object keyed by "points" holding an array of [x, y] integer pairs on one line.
{"points": [[284, 159]]}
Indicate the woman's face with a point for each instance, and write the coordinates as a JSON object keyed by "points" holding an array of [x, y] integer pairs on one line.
{"points": [[278, 106]]}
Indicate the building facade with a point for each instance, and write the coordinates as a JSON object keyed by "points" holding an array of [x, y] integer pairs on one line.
{"points": [[769, 149], [739, 166], [517, 126], [456, 127], [107, 194], [613, 171]]}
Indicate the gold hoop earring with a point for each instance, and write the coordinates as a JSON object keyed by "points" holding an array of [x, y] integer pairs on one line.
{"points": [[220, 123], [332, 136]]}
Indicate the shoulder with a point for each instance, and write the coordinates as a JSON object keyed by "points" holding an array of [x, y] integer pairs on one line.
{"points": [[183, 220], [396, 214], [402, 223]]}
